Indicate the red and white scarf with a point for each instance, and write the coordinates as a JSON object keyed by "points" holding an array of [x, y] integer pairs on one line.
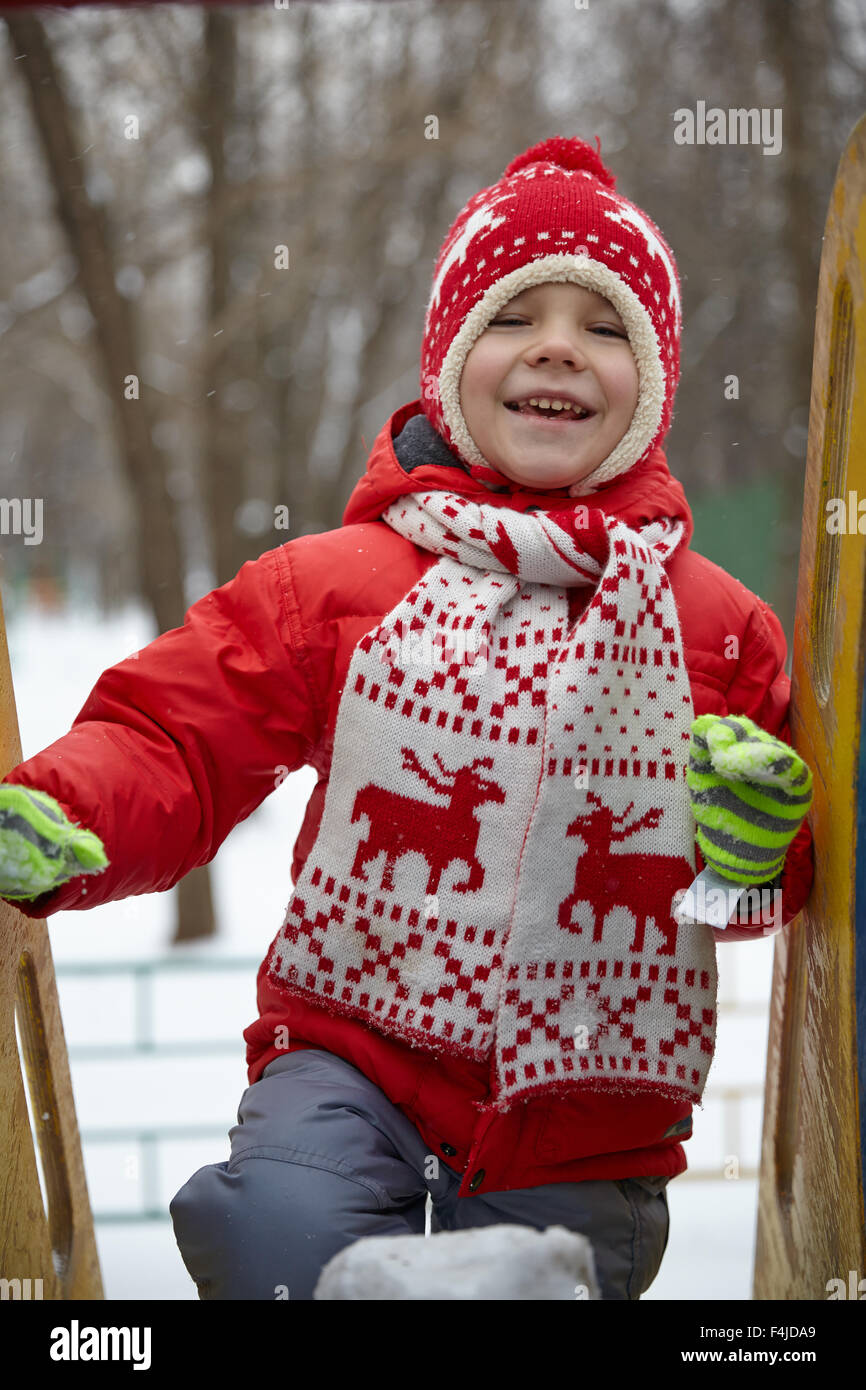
{"points": [[507, 819]]}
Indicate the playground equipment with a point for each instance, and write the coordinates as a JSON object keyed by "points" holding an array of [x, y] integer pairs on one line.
{"points": [[810, 1213], [55, 1250]]}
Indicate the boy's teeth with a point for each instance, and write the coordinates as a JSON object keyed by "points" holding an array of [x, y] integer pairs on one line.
{"points": [[552, 403]]}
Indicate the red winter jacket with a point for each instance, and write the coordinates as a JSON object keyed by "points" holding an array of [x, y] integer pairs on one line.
{"points": [[194, 731]]}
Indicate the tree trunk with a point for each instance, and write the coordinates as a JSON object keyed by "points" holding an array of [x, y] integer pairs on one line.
{"points": [[155, 539], [195, 914], [798, 43], [222, 447]]}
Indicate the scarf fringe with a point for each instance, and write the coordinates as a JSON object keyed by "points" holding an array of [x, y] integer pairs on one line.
{"points": [[605, 1085], [498, 1105], [338, 1008]]}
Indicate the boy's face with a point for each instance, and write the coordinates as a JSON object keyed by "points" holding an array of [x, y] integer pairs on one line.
{"points": [[553, 341]]}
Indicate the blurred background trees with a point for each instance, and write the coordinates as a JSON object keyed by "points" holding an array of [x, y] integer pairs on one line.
{"points": [[168, 380]]}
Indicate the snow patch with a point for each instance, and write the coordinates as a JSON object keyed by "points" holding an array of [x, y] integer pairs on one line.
{"points": [[494, 1262]]}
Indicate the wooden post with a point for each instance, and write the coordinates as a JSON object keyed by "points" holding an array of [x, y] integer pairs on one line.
{"points": [[57, 1247], [810, 1210]]}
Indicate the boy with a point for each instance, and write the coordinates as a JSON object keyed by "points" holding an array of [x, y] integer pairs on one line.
{"points": [[519, 705]]}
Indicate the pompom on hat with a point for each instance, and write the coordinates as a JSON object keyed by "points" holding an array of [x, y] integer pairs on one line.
{"points": [[554, 215]]}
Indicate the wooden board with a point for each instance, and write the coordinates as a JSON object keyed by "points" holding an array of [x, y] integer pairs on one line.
{"points": [[810, 1213], [57, 1247]]}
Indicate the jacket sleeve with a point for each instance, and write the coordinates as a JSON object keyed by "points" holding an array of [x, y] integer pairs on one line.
{"points": [[761, 689], [179, 742]]}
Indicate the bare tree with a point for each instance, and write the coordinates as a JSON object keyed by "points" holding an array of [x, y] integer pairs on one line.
{"points": [[88, 232], [799, 41]]}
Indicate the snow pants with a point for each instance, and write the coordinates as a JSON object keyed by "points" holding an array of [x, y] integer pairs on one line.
{"points": [[321, 1158]]}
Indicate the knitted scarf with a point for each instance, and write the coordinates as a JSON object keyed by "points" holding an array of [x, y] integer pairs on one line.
{"points": [[507, 818]]}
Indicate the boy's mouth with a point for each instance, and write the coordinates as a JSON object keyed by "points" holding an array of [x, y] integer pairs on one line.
{"points": [[550, 410]]}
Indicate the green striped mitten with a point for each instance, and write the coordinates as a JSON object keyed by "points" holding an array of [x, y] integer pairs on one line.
{"points": [[40, 847], [750, 793]]}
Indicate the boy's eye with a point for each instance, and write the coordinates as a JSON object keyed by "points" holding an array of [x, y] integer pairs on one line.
{"points": [[600, 328]]}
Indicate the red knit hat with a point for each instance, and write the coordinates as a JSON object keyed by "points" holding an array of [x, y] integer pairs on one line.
{"points": [[554, 216]]}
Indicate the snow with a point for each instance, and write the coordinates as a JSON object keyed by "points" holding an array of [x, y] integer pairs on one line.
{"points": [[498, 1262], [56, 658]]}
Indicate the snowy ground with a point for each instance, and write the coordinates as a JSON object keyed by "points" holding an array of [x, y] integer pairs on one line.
{"points": [[55, 662]]}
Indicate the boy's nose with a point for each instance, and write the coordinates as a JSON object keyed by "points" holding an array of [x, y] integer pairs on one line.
{"points": [[563, 350]]}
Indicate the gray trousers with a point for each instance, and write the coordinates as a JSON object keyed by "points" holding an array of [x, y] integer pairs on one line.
{"points": [[320, 1158]]}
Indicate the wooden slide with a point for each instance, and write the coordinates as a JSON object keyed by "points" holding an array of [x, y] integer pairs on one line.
{"points": [[56, 1246], [811, 1240]]}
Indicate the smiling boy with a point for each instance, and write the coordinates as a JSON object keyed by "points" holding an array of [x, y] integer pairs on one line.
{"points": [[478, 991]]}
